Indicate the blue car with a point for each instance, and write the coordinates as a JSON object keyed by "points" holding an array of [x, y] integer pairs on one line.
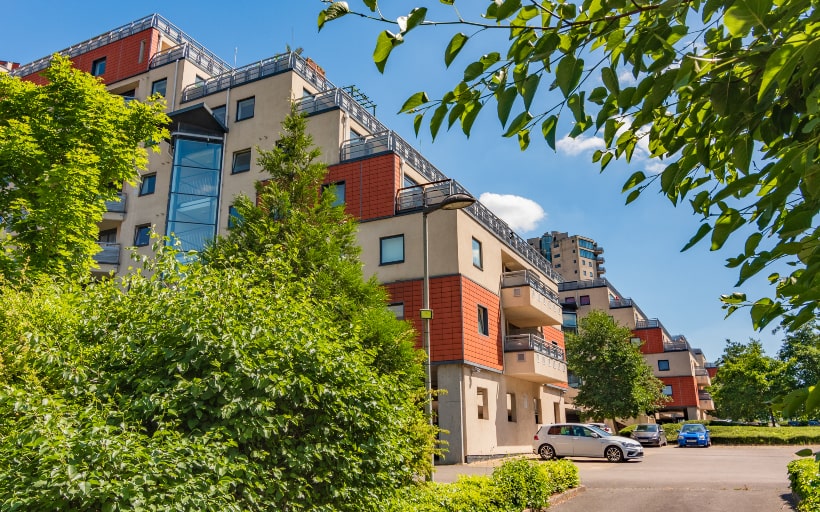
{"points": [[694, 434]]}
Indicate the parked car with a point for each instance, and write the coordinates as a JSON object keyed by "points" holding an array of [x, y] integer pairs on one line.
{"points": [[694, 434], [602, 426], [814, 423], [650, 433], [583, 440]]}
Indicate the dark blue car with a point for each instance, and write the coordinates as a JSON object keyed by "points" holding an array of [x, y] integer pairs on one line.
{"points": [[694, 434]]}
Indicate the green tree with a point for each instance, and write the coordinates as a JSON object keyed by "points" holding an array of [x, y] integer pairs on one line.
{"points": [[726, 94], [65, 148], [801, 351], [747, 382], [615, 380], [242, 380]]}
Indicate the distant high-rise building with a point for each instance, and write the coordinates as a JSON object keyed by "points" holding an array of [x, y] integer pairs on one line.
{"points": [[576, 257]]}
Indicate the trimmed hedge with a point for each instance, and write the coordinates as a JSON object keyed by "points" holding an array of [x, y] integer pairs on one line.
{"points": [[804, 475], [514, 486], [746, 435]]}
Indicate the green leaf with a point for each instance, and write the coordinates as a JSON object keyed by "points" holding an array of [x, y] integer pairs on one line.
{"points": [[633, 195], [518, 124], [507, 8], [455, 46], [728, 221], [417, 123], [473, 71], [471, 110], [635, 179], [417, 16], [523, 139], [702, 231], [779, 68], [419, 98], [505, 103], [384, 45], [334, 11], [813, 400], [745, 14], [805, 452], [752, 243], [438, 117], [568, 74], [528, 89], [735, 298], [548, 130], [610, 80]]}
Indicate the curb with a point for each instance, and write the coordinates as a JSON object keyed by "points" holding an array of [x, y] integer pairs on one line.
{"points": [[567, 495]]}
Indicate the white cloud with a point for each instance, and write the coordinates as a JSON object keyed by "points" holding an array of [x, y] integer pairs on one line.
{"points": [[626, 78], [578, 145], [655, 167], [520, 213]]}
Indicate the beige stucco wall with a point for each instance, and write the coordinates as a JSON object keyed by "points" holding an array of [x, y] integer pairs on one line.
{"points": [[680, 363]]}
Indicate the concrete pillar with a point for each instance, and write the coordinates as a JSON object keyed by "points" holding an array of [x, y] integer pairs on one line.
{"points": [[451, 411]]}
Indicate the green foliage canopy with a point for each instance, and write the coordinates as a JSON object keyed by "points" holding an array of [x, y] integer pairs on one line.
{"points": [[66, 148], [727, 95], [615, 380]]}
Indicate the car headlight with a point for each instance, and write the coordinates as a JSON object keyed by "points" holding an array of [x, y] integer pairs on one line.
{"points": [[680, 437], [701, 436]]}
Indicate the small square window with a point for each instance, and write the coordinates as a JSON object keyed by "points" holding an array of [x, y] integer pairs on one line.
{"points": [[108, 236], [557, 255], [149, 182], [663, 365], [241, 161], [159, 86], [219, 114], [142, 235], [199, 80], [667, 390], [397, 308], [483, 321], [557, 265], [584, 300], [477, 256], [98, 67], [391, 250], [338, 191], [245, 108]]}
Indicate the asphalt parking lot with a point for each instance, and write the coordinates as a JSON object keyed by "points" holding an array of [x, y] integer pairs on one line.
{"points": [[720, 478]]}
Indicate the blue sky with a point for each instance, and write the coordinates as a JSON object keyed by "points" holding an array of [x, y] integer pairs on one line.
{"points": [[535, 191]]}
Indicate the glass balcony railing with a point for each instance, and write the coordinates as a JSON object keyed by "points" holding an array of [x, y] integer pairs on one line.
{"points": [[527, 278], [526, 342], [109, 255], [116, 206]]}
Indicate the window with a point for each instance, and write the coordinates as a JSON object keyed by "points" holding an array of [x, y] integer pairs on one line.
{"points": [[667, 390], [219, 113], [338, 190], [199, 80], [397, 308], [108, 236], [149, 182], [511, 412], [483, 321], [663, 365], [354, 135], [234, 218], [557, 255], [98, 67], [536, 409], [241, 161], [477, 259], [585, 272], [483, 411], [557, 265], [142, 235], [585, 300], [306, 93], [569, 300], [159, 86], [391, 250], [409, 182], [244, 108]]}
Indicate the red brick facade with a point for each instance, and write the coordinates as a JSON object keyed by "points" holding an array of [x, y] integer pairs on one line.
{"points": [[684, 391], [122, 57], [370, 185], [652, 340]]}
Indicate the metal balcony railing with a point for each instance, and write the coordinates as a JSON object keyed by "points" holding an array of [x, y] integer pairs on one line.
{"points": [[621, 303], [703, 395], [526, 342], [652, 323], [675, 346], [703, 372], [109, 255], [527, 278], [116, 206]]}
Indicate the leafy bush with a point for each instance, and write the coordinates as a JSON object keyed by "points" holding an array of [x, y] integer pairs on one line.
{"points": [[513, 486], [804, 475]]}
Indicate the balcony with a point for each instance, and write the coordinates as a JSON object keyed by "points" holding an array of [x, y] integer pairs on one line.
{"points": [[115, 209], [705, 401], [108, 258], [527, 302], [530, 357], [621, 303], [702, 376]]}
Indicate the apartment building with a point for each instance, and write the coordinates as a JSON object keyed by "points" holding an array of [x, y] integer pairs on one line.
{"points": [[684, 370], [496, 343], [576, 257]]}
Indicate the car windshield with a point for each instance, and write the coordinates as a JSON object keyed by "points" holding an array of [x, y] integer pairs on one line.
{"points": [[646, 428], [600, 431], [692, 428]]}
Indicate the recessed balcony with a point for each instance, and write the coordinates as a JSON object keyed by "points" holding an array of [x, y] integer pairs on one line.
{"points": [[527, 301], [115, 209], [705, 401], [530, 357], [108, 258], [702, 376]]}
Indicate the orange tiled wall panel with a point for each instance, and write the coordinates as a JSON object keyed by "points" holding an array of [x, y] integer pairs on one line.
{"points": [[370, 185], [121, 58], [484, 350], [684, 391], [652, 340], [554, 334]]}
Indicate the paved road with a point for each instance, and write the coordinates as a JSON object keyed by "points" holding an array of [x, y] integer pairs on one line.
{"points": [[720, 478]]}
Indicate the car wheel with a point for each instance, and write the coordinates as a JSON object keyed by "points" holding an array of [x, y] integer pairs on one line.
{"points": [[613, 454], [546, 452]]}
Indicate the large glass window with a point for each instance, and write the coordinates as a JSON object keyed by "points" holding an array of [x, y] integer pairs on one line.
{"points": [[477, 256], [391, 250], [159, 86], [219, 114], [149, 182], [245, 108], [192, 205], [338, 191], [667, 390]]}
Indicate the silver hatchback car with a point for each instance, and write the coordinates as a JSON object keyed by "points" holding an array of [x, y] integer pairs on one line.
{"points": [[583, 440], [650, 433]]}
